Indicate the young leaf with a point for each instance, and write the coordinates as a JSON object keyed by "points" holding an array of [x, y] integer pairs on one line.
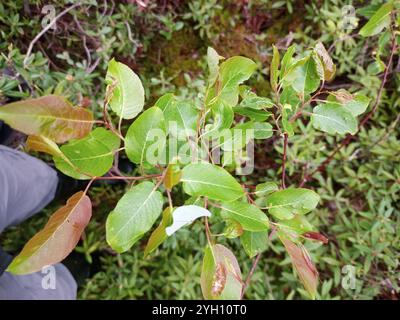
{"points": [[287, 126], [249, 216], [43, 144], [208, 180], [213, 59], [333, 118], [254, 242], [274, 72], [172, 176], [287, 61], [57, 239], [50, 116], [133, 216], [127, 99], [92, 155], [139, 136], [185, 215], [159, 235], [234, 72], [220, 274], [284, 204], [379, 21], [303, 265], [329, 67]]}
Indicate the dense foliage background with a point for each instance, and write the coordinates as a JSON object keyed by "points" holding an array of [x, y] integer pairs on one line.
{"points": [[165, 42]]}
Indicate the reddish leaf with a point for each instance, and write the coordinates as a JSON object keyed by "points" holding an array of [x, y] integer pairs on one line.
{"points": [[303, 265], [219, 280], [50, 116], [57, 239], [42, 144], [328, 65], [220, 275], [315, 236]]}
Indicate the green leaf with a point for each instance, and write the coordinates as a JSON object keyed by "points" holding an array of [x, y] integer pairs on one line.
{"points": [[355, 103], [184, 115], [127, 97], [223, 116], [220, 274], [329, 67], [262, 130], [303, 265], [287, 126], [287, 61], [58, 237], [253, 114], [172, 176], [254, 242], [185, 215], [304, 78], [213, 59], [290, 96], [249, 216], [298, 224], [236, 138], [233, 72], [133, 216], [90, 156], [274, 72], [208, 180], [265, 188], [147, 130], [159, 235], [285, 204], [379, 21], [50, 116], [333, 118], [233, 229], [255, 102], [164, 101]]}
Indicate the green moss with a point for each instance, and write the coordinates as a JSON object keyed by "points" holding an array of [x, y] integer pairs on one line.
{"points": [[178, 56]]}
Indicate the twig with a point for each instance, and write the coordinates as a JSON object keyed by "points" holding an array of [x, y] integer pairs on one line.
{"points": [[44, 30], [149, 176], [285, 143], [169, 199], [363, 121], [250, 275]]}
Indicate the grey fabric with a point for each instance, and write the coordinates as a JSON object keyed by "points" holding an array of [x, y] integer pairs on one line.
{"points": [[27, 185], [35, 286]]}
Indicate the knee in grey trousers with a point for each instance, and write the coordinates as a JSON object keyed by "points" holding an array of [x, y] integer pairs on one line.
{"points": [[27, 185]]}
